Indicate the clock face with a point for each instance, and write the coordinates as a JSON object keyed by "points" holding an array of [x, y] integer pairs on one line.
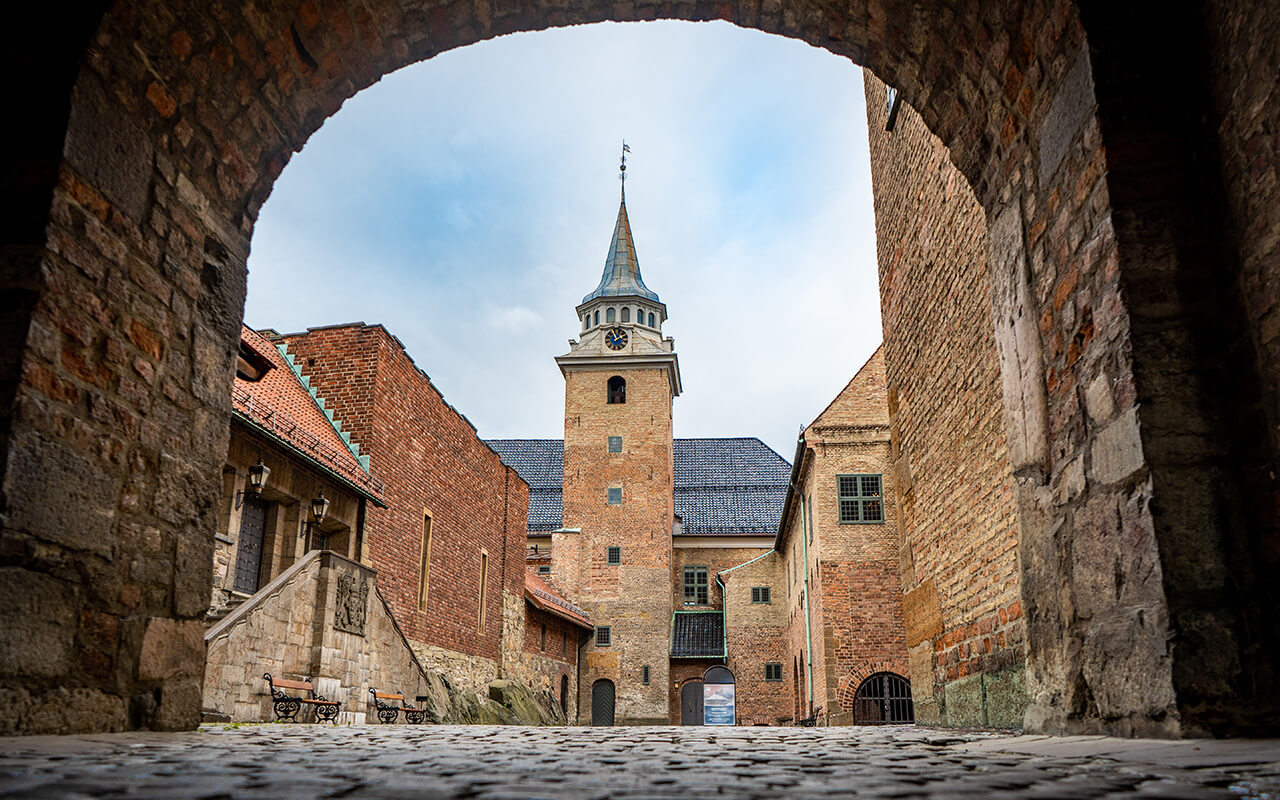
{"points": [[615, 338]]}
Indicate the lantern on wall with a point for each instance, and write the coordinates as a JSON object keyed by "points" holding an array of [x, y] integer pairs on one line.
{"points": [[319, 507], [258, 477]]}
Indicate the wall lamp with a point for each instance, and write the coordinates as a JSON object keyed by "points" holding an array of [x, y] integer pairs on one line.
{"points": [[258, 477]]}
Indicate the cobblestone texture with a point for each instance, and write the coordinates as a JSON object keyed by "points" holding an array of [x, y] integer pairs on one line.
{"points": [[499, 763]]}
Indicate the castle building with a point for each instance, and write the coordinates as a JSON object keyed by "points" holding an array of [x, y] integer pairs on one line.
{"points": [[679, 549]]}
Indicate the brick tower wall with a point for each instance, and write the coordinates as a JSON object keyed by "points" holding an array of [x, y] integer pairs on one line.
{"points": [[633, 598], [959, 558]]}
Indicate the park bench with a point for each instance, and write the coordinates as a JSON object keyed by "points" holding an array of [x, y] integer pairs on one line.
{"points": [[387, 712], [287, 705], [811, 721]]}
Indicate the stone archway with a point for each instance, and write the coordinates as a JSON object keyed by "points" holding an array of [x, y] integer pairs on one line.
{"points": [[153, 148]]}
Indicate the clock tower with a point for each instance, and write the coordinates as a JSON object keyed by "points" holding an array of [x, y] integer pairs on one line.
{"points": [[621, 376]]}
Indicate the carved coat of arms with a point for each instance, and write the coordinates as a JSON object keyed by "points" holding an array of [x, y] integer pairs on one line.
{"points": [[352, 604]]}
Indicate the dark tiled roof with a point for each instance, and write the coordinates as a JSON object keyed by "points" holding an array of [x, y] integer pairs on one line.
{"points": [[697, 634], [722, 486], [541, 463]]}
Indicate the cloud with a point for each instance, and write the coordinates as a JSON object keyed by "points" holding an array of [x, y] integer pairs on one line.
{"points": [[467, 203]]}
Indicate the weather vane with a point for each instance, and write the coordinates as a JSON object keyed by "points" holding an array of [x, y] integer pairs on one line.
{"points": [[622, 174]]}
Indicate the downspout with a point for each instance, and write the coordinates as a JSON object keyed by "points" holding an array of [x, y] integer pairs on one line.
{"points": [[805, 523], [724, 600]]}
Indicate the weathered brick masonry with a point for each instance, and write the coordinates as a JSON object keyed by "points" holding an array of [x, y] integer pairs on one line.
{"points": [[434, 465], [153, 133], [959, 557]]}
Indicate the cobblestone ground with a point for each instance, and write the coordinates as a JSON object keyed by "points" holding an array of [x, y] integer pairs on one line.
{"points": [[503, 763]]}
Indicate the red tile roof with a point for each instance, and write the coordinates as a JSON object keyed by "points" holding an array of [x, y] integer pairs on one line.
{"points": [[545, 598], [281, 407]]}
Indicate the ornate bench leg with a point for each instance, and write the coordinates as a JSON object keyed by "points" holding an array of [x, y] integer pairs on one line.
{"points": [[388, 714], [414, 717], [327, 712], [287, 709]]}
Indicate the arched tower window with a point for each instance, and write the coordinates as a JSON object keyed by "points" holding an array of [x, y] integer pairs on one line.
{"points": [[586, 321], [608, 315], [639, 316], [597, 316], [617, 390], [626, 315], [651, 319]]}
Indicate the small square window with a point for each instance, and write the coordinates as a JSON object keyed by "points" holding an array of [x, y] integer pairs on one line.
{"points": [[544, 569], [604, 636], [614, 556], [644, 674], [761, 594], [615, 444], [615, 496], [773, 671]]}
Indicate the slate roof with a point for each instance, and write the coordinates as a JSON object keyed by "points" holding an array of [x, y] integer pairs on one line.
{"points": [[697, 634], [621, 276], [284, 406], [723, 487], [544, 597]]}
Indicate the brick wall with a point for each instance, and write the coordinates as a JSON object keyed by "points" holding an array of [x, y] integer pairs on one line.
{"points": [[959, 558], [633, 598], [433, 463], [757, 636]]}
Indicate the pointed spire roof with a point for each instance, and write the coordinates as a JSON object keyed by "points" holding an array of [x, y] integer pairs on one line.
{"points": [[621, 276]]}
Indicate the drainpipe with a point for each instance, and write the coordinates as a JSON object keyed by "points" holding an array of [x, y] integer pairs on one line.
{"points": [[724, 601], [805, 523]]}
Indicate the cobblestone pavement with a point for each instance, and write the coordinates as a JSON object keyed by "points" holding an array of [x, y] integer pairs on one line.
{"points": [[503, 763]]}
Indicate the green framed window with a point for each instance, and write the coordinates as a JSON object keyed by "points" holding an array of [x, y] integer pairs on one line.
{"points": [[615, 496], [861, 498], [615, 444], [773, 671], [695, 586], [761, 594]]}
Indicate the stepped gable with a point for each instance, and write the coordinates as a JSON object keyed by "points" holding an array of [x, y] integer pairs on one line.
{"points": [[723, 487]]}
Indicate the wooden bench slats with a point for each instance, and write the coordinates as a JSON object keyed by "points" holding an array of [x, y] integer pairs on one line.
{"points": [[287, 706], [285, 683]]}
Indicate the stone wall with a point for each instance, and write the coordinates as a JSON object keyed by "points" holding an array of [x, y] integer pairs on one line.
{"points": [[549, 657], [289, 630], [959, 557]]}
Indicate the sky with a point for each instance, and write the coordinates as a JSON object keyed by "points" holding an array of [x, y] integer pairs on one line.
{"points": [[467, 202]]}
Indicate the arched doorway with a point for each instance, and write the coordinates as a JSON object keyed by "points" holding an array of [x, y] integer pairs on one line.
{"points": [[602, 700], [691, 702], [884, 699], [719, 697]]}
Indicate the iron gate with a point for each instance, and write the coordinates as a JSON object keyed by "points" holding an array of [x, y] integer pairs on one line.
{"points": [[253, 522], [883, 699], [602, 702]]}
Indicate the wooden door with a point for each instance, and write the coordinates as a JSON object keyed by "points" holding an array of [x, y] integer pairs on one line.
{"points": [[602, 696], [691, 703], [253, 523]]}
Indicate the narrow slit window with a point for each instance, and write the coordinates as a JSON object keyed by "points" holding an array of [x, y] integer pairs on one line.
{"points": [[484, 589], [860, 498], [543, 644], [424, 566], [644, 675]]}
